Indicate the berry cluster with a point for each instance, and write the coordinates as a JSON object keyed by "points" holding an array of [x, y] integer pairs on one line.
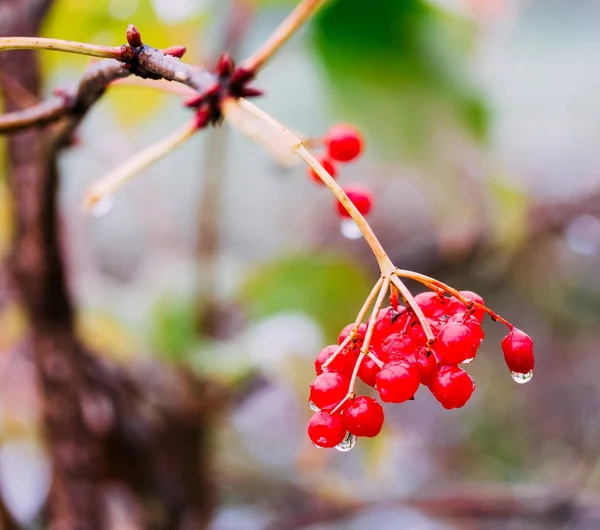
{"points": [[397, 358], [344, 143]]}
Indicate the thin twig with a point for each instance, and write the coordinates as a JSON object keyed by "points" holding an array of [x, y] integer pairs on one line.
{"points": [[106, 186], [303, 12], [80, 48]]}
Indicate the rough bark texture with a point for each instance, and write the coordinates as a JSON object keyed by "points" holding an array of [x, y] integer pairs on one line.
{"points": [[117, 437]]}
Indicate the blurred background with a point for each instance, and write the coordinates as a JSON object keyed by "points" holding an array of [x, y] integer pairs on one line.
{"points": [[481, 120]]}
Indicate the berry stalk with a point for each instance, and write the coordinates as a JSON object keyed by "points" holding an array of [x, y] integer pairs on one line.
{"points": [[435, 285], [365, 347], [359, 318]]}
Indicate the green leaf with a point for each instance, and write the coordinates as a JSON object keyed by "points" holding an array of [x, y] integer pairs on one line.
{"points": [[330, 289], [399, 69], [173, 328]]}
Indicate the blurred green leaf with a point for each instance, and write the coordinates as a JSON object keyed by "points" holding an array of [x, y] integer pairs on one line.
{"points": [[173, 328], [328, 288], [399, 68]]}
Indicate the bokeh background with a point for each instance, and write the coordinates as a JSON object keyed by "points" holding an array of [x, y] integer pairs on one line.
{"points": [[481, 120]]}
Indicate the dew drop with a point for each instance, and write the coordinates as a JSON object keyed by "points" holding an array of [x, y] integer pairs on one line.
{"points": [[102, 206], [468, 361], [313, 407], [349, 229], [522, 378], [347, 443], [317, 446]]}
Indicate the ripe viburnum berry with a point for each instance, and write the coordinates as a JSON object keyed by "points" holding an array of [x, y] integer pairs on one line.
{"points": [[325, 430], [425, 364], [343, 142], [364, 417], [473, 324], [328, 389], [518, 351], [452, 386], [339, 364], [360, 197], [368, 370], [432, 304], [397, 382], [396, 345], [327, 165], [454, 343], [477, 313], [388, 321], [360, 335]]}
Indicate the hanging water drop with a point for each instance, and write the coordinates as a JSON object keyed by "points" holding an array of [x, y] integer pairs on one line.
{"points": [[313, 407], [522, 378], [347, 443], [102, 206], [349, 229], [468, 361]]}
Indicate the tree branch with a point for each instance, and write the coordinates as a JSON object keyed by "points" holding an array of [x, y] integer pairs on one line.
{"points": [[299, 16]]}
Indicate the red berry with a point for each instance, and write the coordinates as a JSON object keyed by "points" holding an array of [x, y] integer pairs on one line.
{"points": [[360, 335], [339, 364], [360, 197], [477, 313], [397, 382], [432, 304], [327, 165], [396, 345], [388, 321], [518, 351], [364, 417], [473, 324], [452, 386], [343, 142], [368, 370], [325, 430], [328, 389], [454, 343], [425, 364]]}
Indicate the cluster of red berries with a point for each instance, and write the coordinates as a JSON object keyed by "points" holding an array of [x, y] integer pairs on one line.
{"points": [[344, 143], [400, 359]]}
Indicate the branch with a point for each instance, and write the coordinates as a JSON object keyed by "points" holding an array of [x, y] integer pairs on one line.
{"points": [[303, 12], [149, 63]]}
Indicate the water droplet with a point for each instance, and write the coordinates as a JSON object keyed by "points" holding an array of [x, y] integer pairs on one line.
{"points": [[102, 206], [313, 407], [347, 443], [349, 229], [522, 378], [317, 446], [468, 361]]}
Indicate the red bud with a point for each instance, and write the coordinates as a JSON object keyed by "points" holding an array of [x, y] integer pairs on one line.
{"points": [[174, 51], [134, 38]]}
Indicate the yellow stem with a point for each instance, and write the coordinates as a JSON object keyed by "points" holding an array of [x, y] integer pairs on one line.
{"points": [[434, 284], [107, 185], [33, 43], [303, 12], [359, 318], [365, 347], [410, 300]]}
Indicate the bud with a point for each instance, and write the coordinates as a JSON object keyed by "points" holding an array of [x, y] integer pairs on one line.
{"points": [[134, 37], [174, 51], [225, 65]]}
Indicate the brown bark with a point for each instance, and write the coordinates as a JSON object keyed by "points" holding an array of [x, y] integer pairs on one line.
{"points": [[115, 435]]}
